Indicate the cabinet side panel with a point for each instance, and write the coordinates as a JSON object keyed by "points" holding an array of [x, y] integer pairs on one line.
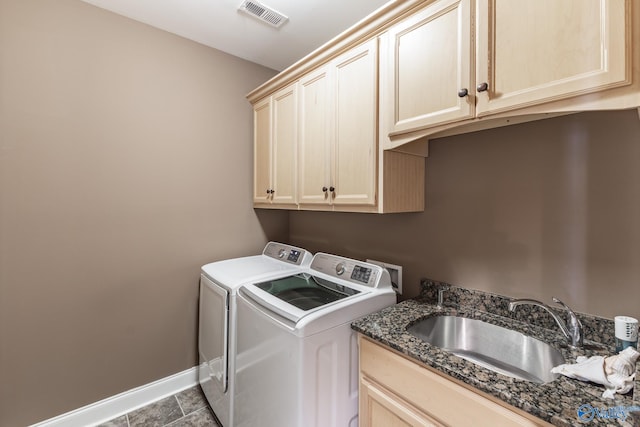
{"points": [[404, 176]]}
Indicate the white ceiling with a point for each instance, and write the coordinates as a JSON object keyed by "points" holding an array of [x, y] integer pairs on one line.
{"points": [[219, 24]]}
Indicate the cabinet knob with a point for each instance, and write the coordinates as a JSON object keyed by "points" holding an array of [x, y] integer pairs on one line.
{"points": [[268, 191], [482, 87], [324, 189], [463, 92], [332, 189]]}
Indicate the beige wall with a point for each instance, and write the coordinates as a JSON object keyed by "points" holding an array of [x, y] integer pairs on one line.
{"points": [[548, 208], [125, 164]]}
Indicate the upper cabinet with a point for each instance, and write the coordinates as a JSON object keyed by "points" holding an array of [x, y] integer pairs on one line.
{"points": [[428, 67], [315, 136], [346, 128], [323, 152], [536, 51], [275, 148], [262, 151], [338, 134], [456, 61]]}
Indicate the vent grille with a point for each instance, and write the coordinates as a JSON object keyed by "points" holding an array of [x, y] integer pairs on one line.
{"points": [[263, 13]]}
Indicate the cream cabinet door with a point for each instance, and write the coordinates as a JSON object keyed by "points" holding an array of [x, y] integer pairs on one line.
{"points": [[354, 148], [379, 407], [275, 148], [262, 151], [284, 145], [428, 67], [314, 137], [534, 51], [338, 138]]}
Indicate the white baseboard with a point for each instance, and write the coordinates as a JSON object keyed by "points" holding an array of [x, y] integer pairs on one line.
{"points": [[120, 404]]}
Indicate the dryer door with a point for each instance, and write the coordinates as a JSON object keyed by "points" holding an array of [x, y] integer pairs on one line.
{"points": [[213, 333]]}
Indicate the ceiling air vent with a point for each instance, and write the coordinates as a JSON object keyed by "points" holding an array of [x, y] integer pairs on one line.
{"points": [[263, 13]]}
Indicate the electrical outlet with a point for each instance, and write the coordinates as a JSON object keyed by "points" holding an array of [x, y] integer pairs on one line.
{"points": [[395, 271]]}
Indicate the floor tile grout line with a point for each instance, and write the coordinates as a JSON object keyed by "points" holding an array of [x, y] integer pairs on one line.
{"points": [[176, 421], [127, 418], [173, 422], [179, 405]]}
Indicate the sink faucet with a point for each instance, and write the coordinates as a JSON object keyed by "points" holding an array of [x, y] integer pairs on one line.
{"points": [[441, 291], [440, 298], [572, 329]]}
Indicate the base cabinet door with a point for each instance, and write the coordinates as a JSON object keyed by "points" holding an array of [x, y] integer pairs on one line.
{"points": [[381, 408], [535, 51]]}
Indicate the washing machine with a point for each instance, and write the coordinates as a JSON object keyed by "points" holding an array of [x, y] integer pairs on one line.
{"points": [[219, 282], [297, 356]]}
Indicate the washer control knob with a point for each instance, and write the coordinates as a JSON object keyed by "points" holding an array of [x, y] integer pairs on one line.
{"points": [[282, 253], [340, 269]]}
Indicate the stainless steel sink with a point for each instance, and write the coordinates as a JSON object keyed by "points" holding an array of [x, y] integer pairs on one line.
{"points": [[502, 350]]}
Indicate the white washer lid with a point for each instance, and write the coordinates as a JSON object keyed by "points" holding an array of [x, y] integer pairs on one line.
{"points": [[237, 271]]}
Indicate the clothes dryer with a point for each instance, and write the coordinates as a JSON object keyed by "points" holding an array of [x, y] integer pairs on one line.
{"points": [[217, 334]]}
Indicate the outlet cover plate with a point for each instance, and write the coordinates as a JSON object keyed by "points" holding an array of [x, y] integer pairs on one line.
{"points": [[395, 271]]}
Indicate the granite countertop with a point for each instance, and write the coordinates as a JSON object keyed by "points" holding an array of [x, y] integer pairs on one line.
{"points": [[556, 402]]}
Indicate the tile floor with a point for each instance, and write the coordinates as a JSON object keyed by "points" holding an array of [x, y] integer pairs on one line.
{"points": [[188, 408]]}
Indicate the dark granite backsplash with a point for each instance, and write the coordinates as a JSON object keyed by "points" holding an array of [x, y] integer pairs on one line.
{"points": [[597, 329]]}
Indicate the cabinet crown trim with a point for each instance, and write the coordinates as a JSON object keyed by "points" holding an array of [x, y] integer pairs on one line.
{"points": [[364, 30]]}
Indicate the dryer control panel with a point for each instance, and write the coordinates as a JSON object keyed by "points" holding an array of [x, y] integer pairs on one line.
{"points": [[287, 253], [351, 270]]}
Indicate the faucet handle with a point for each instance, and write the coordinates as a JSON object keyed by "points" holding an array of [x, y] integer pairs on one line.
{"points": [[571, 315], [573, 324]]}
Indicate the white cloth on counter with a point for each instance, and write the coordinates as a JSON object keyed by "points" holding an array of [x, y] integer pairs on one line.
{"points": [[616, 373]]}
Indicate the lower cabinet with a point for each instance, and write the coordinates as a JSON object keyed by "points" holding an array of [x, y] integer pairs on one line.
{"points": [[379, 407], [395, 391]]}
